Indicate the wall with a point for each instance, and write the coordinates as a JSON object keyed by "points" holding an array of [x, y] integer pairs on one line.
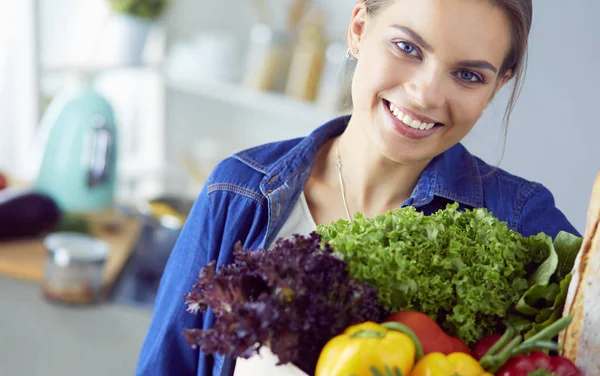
{"points": [[18, 100]]}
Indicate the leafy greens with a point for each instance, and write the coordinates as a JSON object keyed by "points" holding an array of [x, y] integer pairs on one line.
{"points": [[543, 302], [465, 269], [293, 298]]}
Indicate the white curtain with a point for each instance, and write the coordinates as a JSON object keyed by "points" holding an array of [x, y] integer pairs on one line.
{"points": [[18, 84]]}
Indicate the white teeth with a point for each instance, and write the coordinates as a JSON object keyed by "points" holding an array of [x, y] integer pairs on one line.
{"points": [[413, 123]]}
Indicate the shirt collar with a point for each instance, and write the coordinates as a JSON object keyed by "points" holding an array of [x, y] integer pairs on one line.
{"points": [[302, 156], [453, 175]]}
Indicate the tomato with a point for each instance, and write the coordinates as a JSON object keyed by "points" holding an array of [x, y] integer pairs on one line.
{"points": [[431, 336]]}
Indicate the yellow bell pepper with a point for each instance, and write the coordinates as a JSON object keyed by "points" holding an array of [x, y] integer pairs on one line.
{"points": [[369, 349], [438, 364]]}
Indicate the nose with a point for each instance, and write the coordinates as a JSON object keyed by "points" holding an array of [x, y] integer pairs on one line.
{"points": [[425, 87]]}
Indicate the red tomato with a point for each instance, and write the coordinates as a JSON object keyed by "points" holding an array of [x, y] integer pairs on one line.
{"points": [[431, 336]]}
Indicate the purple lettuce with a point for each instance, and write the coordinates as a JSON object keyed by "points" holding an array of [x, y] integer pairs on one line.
{"points": [[293, 298]]}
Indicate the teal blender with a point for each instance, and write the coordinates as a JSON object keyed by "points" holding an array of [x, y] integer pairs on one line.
{"points": [[78, 165]]}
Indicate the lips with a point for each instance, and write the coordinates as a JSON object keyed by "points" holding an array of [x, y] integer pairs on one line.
{"points": [[408, 120], [411, 125]]}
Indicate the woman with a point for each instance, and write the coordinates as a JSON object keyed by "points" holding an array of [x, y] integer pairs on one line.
{"points": [[425, 72]]}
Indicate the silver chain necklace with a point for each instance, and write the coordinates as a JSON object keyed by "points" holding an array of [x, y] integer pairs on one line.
{"points": [[339, 167]]}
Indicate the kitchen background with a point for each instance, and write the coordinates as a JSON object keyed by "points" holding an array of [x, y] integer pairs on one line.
{"points": [[198, 82]]}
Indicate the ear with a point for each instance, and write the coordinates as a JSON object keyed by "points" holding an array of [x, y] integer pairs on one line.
{"points": [[501, 82], [357, 26]]}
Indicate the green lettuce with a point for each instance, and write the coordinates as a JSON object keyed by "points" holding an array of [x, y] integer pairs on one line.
{"points": [[542, 275], [543, 303], [567, 247], [465, 269]]}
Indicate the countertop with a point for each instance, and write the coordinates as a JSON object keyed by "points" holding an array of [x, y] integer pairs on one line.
{"points": [[137, 284], [43, 338], [38, 337]]}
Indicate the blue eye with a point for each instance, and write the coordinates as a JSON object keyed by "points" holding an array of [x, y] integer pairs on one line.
{"points": [[407, 48], [470, 77]]}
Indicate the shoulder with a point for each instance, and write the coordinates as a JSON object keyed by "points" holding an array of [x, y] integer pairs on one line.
{"points": [[498, 183], [528, 206], [243, 172], [496, 180], [233, 177], [286, 155], [263, 157]]}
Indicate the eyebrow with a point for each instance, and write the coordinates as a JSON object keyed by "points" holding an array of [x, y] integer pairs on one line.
{"points": [[481, 64]]}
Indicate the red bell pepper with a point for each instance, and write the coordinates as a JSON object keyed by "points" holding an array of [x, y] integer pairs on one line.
{"points": [[523, 365], [432, 337]]}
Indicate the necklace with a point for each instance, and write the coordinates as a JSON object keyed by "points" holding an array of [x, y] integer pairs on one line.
{"points": [[339, 167]]}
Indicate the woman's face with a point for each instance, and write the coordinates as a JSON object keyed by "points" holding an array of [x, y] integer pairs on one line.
{"points": [[426, 70]]}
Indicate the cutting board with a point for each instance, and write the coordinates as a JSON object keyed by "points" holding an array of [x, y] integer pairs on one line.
{"points": [[25, 259]]}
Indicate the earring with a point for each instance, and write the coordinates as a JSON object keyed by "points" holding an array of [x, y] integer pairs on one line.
{"points": [[349, 53]]}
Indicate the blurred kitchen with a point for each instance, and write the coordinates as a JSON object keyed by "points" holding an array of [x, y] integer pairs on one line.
{"points": [[113, 113]]}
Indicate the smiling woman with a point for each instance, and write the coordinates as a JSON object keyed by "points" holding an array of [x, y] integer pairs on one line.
{"points": [[425, 72], [450, 69]]}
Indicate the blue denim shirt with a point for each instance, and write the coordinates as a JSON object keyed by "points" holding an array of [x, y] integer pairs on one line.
{"points": [[249, 196]]}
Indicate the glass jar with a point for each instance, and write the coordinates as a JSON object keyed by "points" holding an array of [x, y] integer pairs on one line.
{"points": [[74, 268], [268, 59]]}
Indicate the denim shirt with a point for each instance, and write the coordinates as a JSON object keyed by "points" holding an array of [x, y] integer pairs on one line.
{"points": [[248, 198]]}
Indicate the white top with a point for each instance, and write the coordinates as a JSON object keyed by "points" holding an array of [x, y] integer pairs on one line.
{"points": [[300, 220]]}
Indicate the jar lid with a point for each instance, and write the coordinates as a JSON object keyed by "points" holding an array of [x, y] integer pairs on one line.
{"points": [[71, 247]]}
